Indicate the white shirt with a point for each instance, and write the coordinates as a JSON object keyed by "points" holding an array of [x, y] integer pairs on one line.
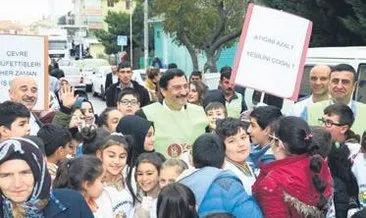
{"points": [[34, 127], [300, 106], [105, 208], [114, 78], [247, 181]]}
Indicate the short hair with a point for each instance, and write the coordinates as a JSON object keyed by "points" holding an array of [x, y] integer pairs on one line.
{"points": [[128, 91], [196, 73], [225, 72], [180, 164], [172, 66], [215, 105], [169, 75], [124, 64], [321, 141], [103, 117], [346, 116], [344, 67], [152, 72], [229, 126], [176, 200], [208, 150], [265, 115], [10, 111], [220, 215], [54, 136]]}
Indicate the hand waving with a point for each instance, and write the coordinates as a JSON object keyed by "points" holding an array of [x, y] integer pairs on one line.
{"points": [[67, 96]]}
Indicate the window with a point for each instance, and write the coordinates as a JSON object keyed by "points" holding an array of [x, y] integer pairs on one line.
{"points": [[128, 4], [110, 3], [360, 94]]}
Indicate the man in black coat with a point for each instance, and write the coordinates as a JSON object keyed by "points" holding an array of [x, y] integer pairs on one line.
{"points": [[124, 73], [111, 78]]}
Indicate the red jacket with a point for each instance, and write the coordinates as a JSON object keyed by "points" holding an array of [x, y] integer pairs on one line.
{"points": [[284, 188]]}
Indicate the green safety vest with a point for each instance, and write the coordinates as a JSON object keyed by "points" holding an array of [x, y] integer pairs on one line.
{"points": [[175, 131], [316, 111], [233, 107]]}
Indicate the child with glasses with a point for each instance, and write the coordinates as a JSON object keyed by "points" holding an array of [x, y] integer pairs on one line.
{"points": [[128, 102]]}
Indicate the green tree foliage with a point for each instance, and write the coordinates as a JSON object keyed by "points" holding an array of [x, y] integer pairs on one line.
{"points": [[202, 25], [330, 28], [119, 24], [356, 21]]}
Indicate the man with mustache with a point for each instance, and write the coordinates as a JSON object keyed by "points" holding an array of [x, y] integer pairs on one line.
{"points": [[24, 90], [234, 102], [177, 123], [341, 86]]}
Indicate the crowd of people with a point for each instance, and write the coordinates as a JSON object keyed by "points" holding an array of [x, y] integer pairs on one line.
{"points": [[174, 149]]}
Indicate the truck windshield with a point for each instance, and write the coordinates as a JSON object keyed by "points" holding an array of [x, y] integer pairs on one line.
{"points": [[57, 45]]}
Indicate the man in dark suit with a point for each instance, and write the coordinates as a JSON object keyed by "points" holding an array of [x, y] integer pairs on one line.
{"points": [[111, 77]]}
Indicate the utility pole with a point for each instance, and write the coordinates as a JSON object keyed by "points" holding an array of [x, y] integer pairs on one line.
{"points": [[131, 35], [146, 34]]}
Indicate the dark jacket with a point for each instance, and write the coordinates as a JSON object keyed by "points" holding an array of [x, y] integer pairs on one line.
{"points": [[113, 91], [58, 73], [66, 203], [345, 183], [108, 81]]}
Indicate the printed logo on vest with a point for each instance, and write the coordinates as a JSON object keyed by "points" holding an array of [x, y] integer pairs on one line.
{"points": [[174, 150]]}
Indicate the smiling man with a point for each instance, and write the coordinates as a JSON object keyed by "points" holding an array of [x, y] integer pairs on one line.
{"points": [[24, 90], [177, 123], [319, 84], [341, 86]]}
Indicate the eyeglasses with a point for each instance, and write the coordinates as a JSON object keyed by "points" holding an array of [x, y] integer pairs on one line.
{"points": [[273, 137], [329, 123], [127, 102]]}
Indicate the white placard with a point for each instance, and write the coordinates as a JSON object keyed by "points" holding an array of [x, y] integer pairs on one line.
{"points": [[272, 52], [24, 55]]}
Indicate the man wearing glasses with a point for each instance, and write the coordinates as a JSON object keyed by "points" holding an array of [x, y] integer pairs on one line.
{"points": [[177, 123], [341, 87], [124, 72]]}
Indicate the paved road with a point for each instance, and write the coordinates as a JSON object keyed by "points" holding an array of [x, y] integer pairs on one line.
{"points": [[98, 104]]}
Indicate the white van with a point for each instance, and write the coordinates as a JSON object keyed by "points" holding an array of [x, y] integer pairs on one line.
{"points": [[354, 56]]}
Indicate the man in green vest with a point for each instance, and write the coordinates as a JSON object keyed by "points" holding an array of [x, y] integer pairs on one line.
{"points": [[177, 123], [341, 87], [234, 101]]}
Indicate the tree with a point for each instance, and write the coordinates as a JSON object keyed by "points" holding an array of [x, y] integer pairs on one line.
{"points": [[202, 25], [329, 25], [119, 24], [356, 21]]}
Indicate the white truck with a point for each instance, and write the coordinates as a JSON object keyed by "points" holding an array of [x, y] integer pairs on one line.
{"points": [[58, 45]]}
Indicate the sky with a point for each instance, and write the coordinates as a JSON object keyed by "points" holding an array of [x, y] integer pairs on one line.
{"points": [[26, 11]]}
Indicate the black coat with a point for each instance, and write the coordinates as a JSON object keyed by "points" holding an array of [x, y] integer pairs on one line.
{"points": [[108, 81], [113, 91]]}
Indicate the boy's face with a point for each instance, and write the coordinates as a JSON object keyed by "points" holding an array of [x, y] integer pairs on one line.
{"points": [[213, 115], [258, 135], [19, 128]]}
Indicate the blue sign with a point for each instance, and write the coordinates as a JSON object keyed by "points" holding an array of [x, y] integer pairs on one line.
{"points": [[121, 40]]}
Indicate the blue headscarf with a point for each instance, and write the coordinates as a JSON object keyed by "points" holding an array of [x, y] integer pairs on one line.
{"points": [[24, 149]]}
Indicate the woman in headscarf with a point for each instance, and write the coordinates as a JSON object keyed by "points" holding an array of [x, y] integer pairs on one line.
{"points": [[25, 185]]}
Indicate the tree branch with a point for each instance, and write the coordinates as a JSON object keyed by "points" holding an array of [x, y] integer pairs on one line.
{"points": [[226, 38], [221, 26]]}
